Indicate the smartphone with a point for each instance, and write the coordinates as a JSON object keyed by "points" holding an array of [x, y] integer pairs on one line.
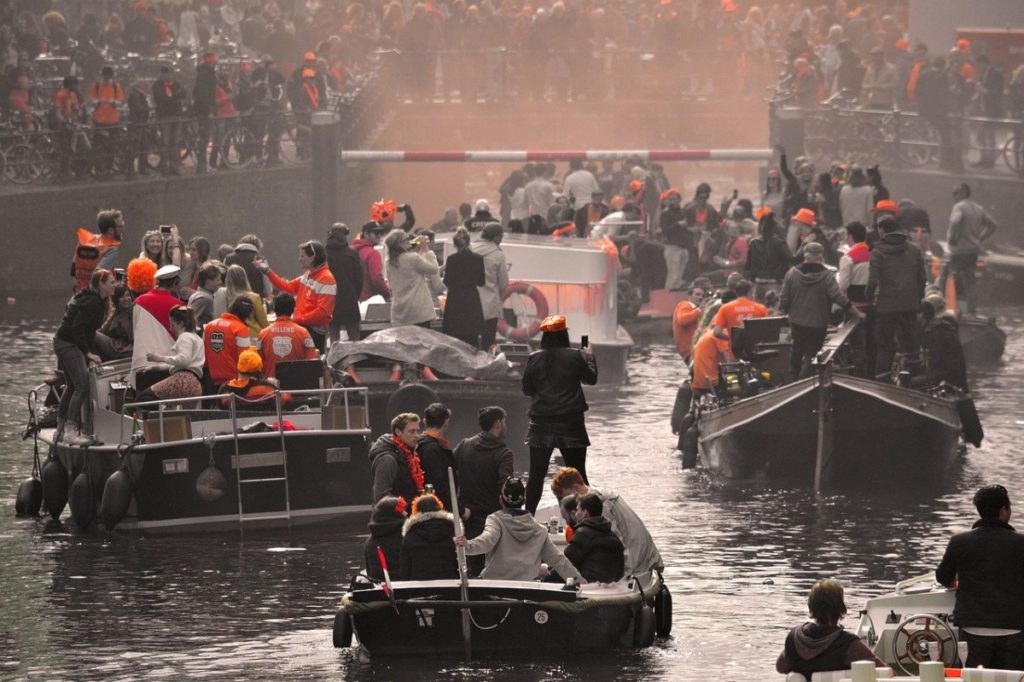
{"points": [[584, 341], [165, 229]]}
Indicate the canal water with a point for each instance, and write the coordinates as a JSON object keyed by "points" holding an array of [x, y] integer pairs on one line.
{"points": [[259, 606]]}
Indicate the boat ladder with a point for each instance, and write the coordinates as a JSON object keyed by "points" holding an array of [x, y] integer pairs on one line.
{"points": [[276, 462]]}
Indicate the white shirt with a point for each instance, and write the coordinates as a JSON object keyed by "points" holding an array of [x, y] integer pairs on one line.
{"points": [[187, 353]]}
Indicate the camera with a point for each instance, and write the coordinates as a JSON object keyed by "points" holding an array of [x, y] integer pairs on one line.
{"points": [[165, 230], [416, 241], [120, 275]]}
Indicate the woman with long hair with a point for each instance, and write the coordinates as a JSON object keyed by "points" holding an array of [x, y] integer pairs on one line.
{"points": [[185, 361], [553, 379], [412, 273], [75, 347], [197, 252], [153, 247], [115, 338], [236, 284], [314, 291], [463, 273]]}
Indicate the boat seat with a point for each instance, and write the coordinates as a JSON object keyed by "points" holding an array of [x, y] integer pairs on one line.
{"points": [[837, 675], [991, 675], [299, 375], [746, 340]]}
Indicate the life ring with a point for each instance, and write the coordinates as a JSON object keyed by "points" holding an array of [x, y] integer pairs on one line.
{"points": [[525, 332]]}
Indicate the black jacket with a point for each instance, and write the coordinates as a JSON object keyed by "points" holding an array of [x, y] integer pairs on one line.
{"points": [[483, 462], [463, 273], [385, 531], [812, 647], [428, 552], [553, 379], [819, 236], [435, 458], [673, 228], [988, 564], [946, 362], [596, 551], [768, 257], [204, 92], [478, 220], [84, 315], [896, 272], [168, 99], [344, 264], [389, 468], [794, 192]]}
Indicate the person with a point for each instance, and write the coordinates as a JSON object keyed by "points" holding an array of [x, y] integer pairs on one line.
{"points": [[98, 250], [105, 96], [856, 198], [539, 191], [169, 104], [935, 104], [74, 344], [808, 293], [642, 554], [940, 339], [589, 214], [970, 226], [245, 253], [796, 190], [151, 326], [365, 246], [768, 255], [436, 457], [822, 644], [594, 549], [394, 464], [197, 253], [386, 522], [686, 318], [412, 274], [701, 220], [878, 89], [252, 387], [284, 340], [224, 339], [483, 462], [481, 216], [810, 232], [553, 379], [184, 363], [314, 291], [709, 351], [236, 284], [854, 269], [492, 293], [579, 185], [741, 308], [515, 545], [347, 270], [209, 281], [463, 275], [678, 240], [448, 222], [204, 104], [67, 112], [114, 339], [984, 565], [427, 552], [990, 84]]}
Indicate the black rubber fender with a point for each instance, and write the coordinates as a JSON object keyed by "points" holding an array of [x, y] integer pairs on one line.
{"points": [[413, 397], [30, 497], [970, 422], [211, 484], [684, 396], [663, 612], [55, 487], [689, 447], [342, 630], [643, 627], [117, 497], [82, 501]]}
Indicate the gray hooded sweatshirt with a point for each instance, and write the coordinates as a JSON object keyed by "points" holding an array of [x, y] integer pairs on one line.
{"points": [[808, 293], [515, 545], [641, 553]]}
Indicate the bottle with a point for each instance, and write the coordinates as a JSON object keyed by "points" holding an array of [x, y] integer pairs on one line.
{"points": [[428, 489], [553, 525]]}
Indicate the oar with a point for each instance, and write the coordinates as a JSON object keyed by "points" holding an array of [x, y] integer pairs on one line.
{"points": [[387, 578], [460, 554]]}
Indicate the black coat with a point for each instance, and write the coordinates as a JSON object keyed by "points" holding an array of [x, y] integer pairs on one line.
{"points": [[383, 453], [463, 314], [484, 462], [82, 317], [344, 264], [945, 354], [768, 257], [595, 551], [435, 458], [385, 531], [553, 378], [897, 274], [428, 552]]}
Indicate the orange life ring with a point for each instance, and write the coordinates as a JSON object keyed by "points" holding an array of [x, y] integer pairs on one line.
{"points": [[525, 332]]}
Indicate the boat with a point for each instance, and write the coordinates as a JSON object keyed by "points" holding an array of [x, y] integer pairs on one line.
{"points": [[167, 466], [1000, 275], [982, 339], [424, 618]]}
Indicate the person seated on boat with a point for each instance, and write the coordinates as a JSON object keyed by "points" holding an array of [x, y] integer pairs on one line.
{"points": [[184, 362], [224, 339], [594, 549], [709, 351], [114, 339], [984, 564], [427, 552], [394, 464], [641, 553], [436, 457], [386, 522], [254, 390], [567, 509], [940, 339], [151, 327], [285, 340], [514, 543], [733, 313], [822, 644]]}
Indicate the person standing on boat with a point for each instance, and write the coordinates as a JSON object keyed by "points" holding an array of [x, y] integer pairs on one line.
{"points": [[151, 327], [464, 274], [314, 291], [553, 379], [435, 454], [348, 274], [492, 293], [822, 644], [854, 269], [970, 226], [514, 543], [984, 564], [413, 274], [394, 464], [808, 293], [426, 542]]}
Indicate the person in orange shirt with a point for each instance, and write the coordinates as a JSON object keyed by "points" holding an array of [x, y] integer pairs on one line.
{"points": [[686, 317], [284, 340], [253, 389], [733, 313], [225, 338], [67, 110], [105, 95], [707, 354], [314, 291]]}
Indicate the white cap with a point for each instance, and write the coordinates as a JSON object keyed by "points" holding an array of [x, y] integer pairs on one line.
{"points": [[168, 272], [482, 205]]}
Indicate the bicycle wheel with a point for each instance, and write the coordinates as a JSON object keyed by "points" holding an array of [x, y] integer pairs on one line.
{"points": [[237, 147], [1013, 154], [919, 142], [25, 164]]}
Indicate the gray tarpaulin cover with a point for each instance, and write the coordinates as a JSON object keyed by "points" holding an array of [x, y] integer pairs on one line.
{"points": [[438, 351]]}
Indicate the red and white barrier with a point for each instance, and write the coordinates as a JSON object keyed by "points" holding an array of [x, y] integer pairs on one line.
{"points": [[589, 155]]}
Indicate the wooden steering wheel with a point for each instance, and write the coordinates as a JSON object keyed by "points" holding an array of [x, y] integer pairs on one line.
{"points": [[911, 638]]}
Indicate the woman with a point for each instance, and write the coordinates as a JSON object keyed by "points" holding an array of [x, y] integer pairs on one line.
{"points": [[386, 522], [185, 361], [553, 378], [772, 196], [519, 207], [463, 273], [427, 534], [197, 252], [856, 198], [115, 338], [153, 247], [344, 264], [412, 271], [314, 292], [237, 284], [75, 346], [174, 251]]}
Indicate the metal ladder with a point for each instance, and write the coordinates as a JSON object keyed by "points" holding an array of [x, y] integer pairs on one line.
{"points": [[261, 460]]}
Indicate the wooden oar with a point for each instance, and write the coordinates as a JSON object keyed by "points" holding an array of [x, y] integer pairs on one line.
{"points": [[387, 578], [460, 555]]}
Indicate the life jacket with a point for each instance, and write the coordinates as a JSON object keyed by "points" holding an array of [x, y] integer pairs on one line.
{"points": [[224, 339], [105, 112], [88, 253]]}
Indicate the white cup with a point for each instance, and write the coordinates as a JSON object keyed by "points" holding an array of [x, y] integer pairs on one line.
{"points": [[933, 651], [932, 671], [961, 650]]}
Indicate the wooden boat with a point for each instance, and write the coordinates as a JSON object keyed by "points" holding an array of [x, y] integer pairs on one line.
{"points": [[982, 340], [1000, 276]]}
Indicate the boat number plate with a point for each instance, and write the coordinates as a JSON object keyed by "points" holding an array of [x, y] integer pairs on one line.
{"points": [[335, 455], [176, 466], [541, 617], [425, 617]]}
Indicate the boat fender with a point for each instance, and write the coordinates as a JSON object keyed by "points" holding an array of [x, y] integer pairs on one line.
{"points": [[117, 496], [30, 497], [412, 397], [342, 630], [684, 396], [970, 423], [525, 332], [55, 487], [689, 448], [211, 485], [643, 627], [82, 501], [663, 612]]}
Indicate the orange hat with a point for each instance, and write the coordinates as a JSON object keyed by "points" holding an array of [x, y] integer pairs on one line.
{"points": [[963, 45], [383, 211], [553, 323], [805, 216], [886, 206], [141, 275], [308, 73], [310, 56], [210, 58], [762, 211], [635, 186], [903, 44], [250, 362]]}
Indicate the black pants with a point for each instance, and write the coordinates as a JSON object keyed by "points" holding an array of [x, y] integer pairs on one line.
{"points": [[471, 528], [489, 333], [351, 328], [961, 268], [540, 458], [319, 340], [807, 341], [894, 331], [1002, 653]]}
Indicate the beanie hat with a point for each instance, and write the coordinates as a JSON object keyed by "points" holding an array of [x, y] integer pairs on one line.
{"points": [[250, 362]]}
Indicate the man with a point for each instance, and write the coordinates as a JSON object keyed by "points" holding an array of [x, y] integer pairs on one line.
{"points": [[139, 128], [641, 553], [492, 293], [678, 240], [878, 89], [365, 245], [741, 308], [984, 564], [940, 339], [709, 351], [853, 282], [225, 338], [151, 327], [435, 454], [481, 216], [935, 102], [210, 278], [540, 193], [990, 86], [580, 185], [347, 270], [97, 250], [515, 544], [594, 549], [590, 214], [701, 220], [204, 104], [970, 226], [105, 95], [284, 340], [169, 103], [394, 465], [807, 223], [896, 272], [808, 293], [483, 461], [768, 256], [245, 253]]}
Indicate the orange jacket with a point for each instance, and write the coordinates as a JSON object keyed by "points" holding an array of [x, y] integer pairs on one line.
{"points": [[88, 253], [733, 313], [255, 394], [224, 340], [314, 294], [284, 341], [709, 351], [104, 94], [67, 103], [685, 319], [225, 102]]}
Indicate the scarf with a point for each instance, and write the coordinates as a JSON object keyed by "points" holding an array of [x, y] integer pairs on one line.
{"points": [[438, 437], [413, 461], [314, 94]]}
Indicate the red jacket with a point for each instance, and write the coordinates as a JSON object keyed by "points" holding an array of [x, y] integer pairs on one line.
{"points": [[373, 271], [314, 294]]}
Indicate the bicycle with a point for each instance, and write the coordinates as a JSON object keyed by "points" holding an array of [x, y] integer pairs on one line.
{"points": [[1013, 151]]}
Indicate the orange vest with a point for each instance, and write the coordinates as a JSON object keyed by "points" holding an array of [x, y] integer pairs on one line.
{"points": [[284, 341], [685, 319], [88, 253], [105, 112], [708, 352], [67, 103], [733, 313], [224, 339]]}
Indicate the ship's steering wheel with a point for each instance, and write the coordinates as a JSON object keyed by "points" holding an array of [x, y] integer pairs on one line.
{"points": [[911, 638]]}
